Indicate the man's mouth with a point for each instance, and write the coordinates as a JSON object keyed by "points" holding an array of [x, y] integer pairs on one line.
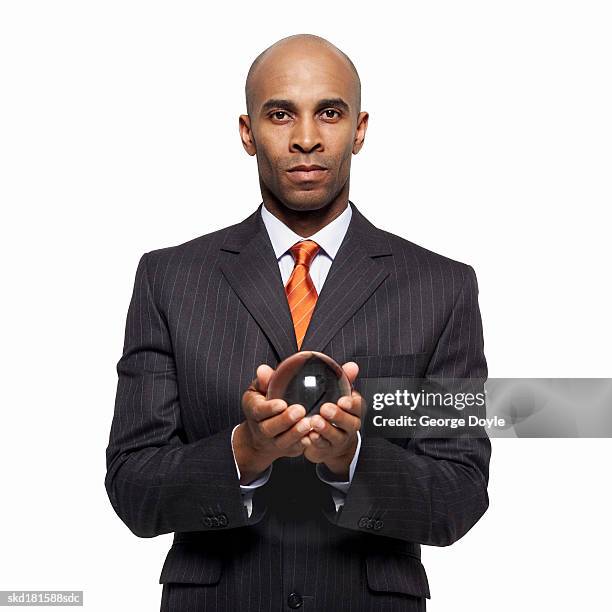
{"points": [[305, 168], [303, 173]]}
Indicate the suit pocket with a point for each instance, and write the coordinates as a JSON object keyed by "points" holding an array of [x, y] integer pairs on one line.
{"points": [[396, 573], [190, 563], [381, 366]]}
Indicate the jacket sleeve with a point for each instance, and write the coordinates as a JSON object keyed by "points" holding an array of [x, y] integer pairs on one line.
{"points": [[423, 489], [156, 481]]}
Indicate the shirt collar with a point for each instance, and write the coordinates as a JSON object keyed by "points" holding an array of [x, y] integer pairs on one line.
{"points": [[329, 238]]}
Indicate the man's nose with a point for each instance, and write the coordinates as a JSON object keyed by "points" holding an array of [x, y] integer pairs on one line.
{"points": [[306, 136]]}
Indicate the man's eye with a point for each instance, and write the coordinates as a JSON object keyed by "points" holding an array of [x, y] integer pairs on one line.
{"points": [[329, 113], [279, 115]]}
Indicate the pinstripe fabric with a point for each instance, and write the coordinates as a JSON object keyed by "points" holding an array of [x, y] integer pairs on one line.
{"points": [[202, 317]]}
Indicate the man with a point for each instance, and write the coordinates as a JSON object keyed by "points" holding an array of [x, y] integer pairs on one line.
{"points": [[273, 510]]}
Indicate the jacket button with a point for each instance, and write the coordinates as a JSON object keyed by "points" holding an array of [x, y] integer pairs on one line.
{"points": [[370, 523], [215, 521], [363, 522], [294, 600], [223, 520], [378, 525], [207, 521]]}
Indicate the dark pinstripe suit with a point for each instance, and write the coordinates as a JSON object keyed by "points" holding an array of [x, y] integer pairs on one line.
{"points": [[202, 317]]}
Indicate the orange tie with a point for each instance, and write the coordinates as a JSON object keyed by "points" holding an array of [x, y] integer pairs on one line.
{"points": [[300, 290]]}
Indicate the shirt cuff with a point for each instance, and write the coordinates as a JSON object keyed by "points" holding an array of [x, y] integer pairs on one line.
{"points": [[340, 486]]}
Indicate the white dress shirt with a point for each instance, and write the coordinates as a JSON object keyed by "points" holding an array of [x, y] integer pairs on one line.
{"points": [[329, 238]]}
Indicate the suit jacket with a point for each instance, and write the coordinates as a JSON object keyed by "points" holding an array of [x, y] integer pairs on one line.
{"points": [[202, 317]]}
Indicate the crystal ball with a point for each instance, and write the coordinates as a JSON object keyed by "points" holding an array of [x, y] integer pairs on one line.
{"points": [[308, 378]]}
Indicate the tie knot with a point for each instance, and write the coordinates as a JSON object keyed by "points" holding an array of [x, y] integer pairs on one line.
{"points": [[304, 251]]}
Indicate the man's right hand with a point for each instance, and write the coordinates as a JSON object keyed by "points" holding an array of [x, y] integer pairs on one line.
{"points": [[271, 429]]}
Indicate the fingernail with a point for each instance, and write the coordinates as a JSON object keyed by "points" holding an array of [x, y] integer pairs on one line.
{"points": [[327, 411], [319, 423], [304, 426], [296, 413]]}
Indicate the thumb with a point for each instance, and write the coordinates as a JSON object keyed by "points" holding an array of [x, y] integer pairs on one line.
{"points": [[351, 369], [264, 373]]}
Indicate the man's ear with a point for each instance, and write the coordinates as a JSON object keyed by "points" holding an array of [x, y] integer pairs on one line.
{"points": [[360, 132], [246, 134]]}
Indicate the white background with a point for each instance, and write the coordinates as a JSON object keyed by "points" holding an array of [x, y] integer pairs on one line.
{"points": [[489, 142]]}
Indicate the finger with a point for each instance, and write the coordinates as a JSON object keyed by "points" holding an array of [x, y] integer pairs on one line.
{"points": [[296, 450], [263, 374], [339, 417], [312, 453], [294, 435], [305, 442], [318, 441], [259, 385], [282, 422], [353, 404], [358, 404], [258, 409], [351, 369], [334, 435]]}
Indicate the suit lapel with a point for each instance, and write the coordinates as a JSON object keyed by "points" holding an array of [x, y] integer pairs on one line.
{"points": [[355, 274], [253, 273]]}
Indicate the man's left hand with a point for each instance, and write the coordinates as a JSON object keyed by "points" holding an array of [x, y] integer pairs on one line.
{"points": [[333, 438]]}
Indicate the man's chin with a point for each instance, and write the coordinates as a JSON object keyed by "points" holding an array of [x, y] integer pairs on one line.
{"points": [[305, 201]]}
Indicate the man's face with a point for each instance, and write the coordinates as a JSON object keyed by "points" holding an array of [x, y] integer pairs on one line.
{"points": [[304, 126]]}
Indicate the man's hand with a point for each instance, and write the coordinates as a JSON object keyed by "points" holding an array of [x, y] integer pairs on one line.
{"points": [[271, 429], [335, 445]]}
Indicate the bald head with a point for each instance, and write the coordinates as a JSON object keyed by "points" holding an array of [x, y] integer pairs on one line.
{"points": [[303, 100], [295, 46]]}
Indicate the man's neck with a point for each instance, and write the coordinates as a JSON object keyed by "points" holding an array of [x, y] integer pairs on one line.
{"points": [[307, 222]]}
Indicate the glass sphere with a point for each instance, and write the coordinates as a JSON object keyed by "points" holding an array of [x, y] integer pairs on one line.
{"points": [[308, 378]]}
